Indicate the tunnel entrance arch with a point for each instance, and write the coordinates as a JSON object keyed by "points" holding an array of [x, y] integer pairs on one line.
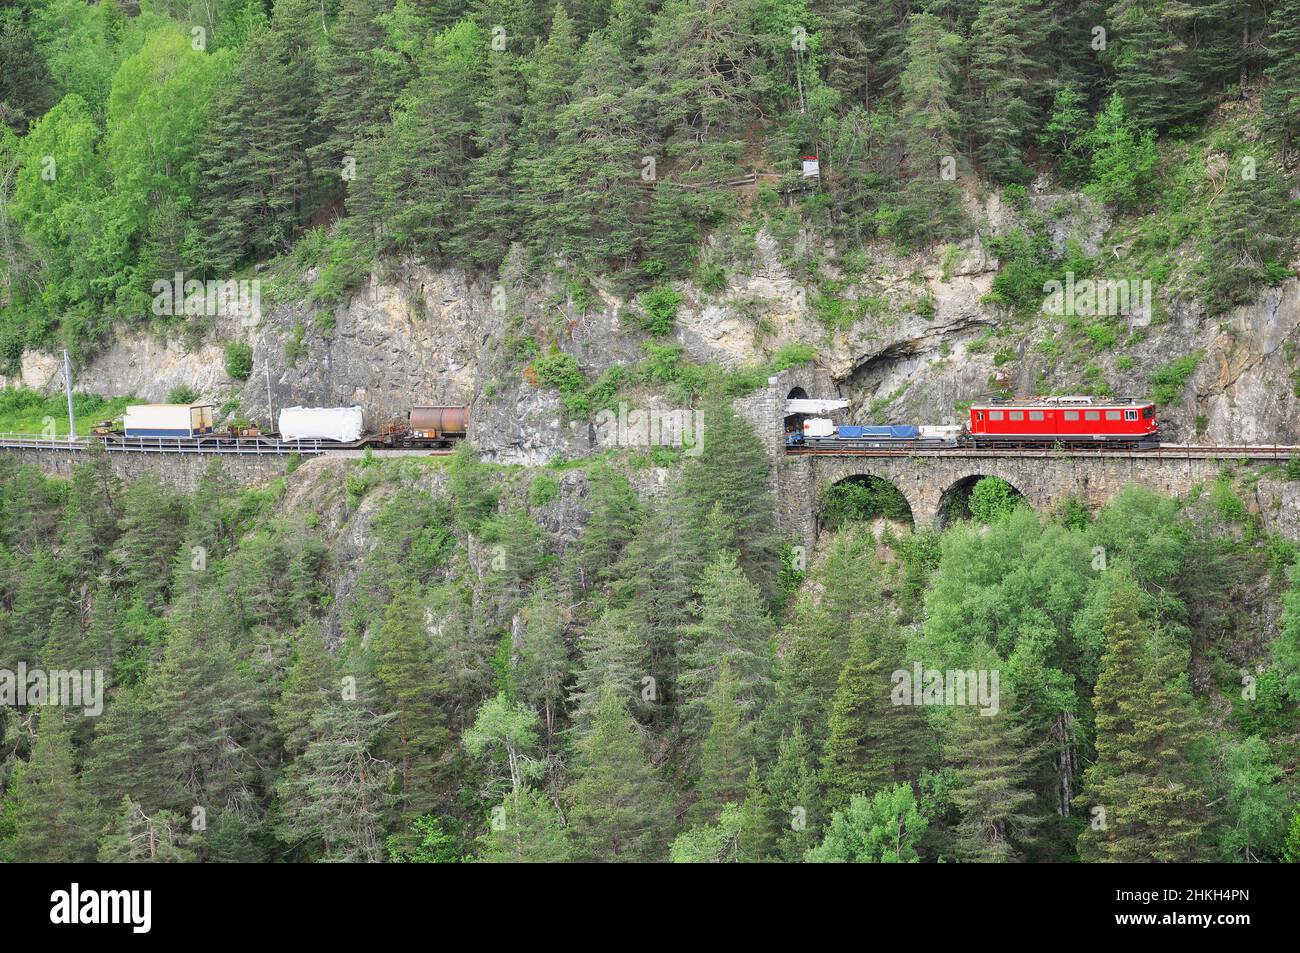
{"points": [[793, 423], [962, 501]]}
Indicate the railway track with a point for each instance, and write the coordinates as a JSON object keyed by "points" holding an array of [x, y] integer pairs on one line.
{"points": [[1176, 451], [226, 446]]}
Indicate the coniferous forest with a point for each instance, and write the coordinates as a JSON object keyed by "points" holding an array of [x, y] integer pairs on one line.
{"points": [[624, 656]]}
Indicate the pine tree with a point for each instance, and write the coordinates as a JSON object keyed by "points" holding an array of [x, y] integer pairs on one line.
{"points": [[1249, 234], [1153, 72], [543, 667], [726, 488], [583, 201], [1147, 805], [335, 796], [150, 531], [931, 204], [618, 806], [208, 709], [614, 659], [493, 218], [257, 182], [160, 838], [614, 515]]}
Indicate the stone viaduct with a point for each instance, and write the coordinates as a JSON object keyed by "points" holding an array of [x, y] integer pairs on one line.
{"points": [[928, 479]]}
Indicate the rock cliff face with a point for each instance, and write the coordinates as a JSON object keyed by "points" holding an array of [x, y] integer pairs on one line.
{"points": [[926, 342]]}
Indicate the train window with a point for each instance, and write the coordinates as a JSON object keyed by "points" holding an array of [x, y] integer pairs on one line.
{"points": [[1015, 415], [1036, 415], [1071, 415], [1092, 415], [1112, 415], [995, 415], [1130, 415], [1149, 412]]}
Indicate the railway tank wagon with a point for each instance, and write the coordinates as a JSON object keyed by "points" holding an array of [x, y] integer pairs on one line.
{"points": [[432, 427], [1083, 423]]}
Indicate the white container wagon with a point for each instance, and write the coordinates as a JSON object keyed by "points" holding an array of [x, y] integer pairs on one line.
{"points": [[167, 420], [340, 424]]}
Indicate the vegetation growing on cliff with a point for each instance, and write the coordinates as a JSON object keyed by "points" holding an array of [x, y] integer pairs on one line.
{"points": [[139, 142]]}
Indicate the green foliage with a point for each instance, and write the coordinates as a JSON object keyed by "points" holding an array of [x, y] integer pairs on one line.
{"points": [[883, 829], [1122, 171], [992, 499], [1167, 382], [863, 499], [239, 360], [660, 306]]}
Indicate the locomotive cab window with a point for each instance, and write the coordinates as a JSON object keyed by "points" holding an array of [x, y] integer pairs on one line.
{"points": [[1071, 415], [1130, 415], [1148, 412]]}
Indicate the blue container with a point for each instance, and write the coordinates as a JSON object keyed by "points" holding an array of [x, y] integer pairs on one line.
{"points": [[901, 432]]}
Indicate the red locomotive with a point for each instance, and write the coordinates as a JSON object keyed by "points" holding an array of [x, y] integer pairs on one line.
{"points": [[1067, 422]]}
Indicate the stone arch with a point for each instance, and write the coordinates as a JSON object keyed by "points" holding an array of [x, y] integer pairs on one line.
{"points": [[894, 499], [957, 490]]}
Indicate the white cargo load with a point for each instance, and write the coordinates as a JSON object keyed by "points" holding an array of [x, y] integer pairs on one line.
{"points": [[941, 431], [818, 427], [167, 420], [342, 424]]}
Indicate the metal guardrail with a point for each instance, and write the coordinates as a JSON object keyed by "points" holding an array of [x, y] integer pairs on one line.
{"points": [[255, 446]]}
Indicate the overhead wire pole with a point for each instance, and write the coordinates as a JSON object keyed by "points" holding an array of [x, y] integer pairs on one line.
{"points": [[67, 383]]}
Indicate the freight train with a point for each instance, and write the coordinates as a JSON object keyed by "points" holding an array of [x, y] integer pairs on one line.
{"points": [[1071, 423], [341, 427]]}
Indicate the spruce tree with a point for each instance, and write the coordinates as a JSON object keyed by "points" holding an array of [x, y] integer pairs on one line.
{"points": [[525, 830], [1280, 109], [1146, 803], [724, 752], [793, 798], [359, 79], [51, 816], [332, 801], [734, 631], [1002, 71], [993, 758], [618, 807], [417, 740]]}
